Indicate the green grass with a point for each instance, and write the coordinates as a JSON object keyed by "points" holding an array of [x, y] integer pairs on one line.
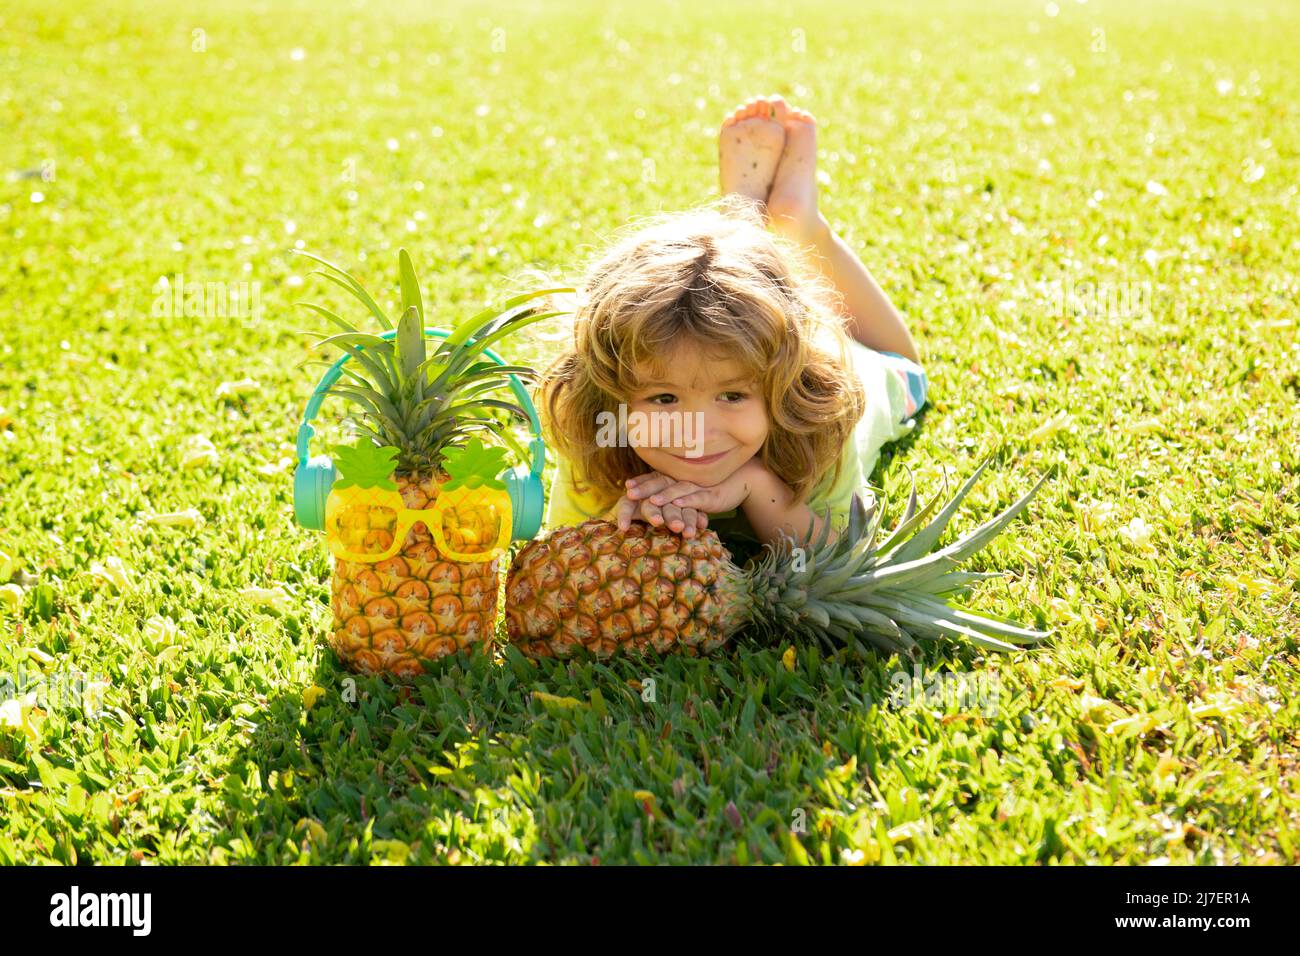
{"points": [[970, 155]]}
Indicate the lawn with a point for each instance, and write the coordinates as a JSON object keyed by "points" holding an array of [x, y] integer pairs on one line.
{"points": [[1087, 211]]}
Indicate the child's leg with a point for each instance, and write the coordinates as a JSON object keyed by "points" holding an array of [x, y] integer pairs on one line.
{"points": [[792, 211]]}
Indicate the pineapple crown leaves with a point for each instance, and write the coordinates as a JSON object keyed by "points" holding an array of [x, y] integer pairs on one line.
{"points": [[422, 397], [895, 593], [474, 465], [365, 465]]}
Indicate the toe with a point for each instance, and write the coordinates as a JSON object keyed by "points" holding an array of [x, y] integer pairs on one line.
{"points": [[783, 109], [799, 120]]}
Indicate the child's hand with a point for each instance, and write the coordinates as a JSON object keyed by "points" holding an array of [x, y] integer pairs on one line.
{"points": [[685, 521], [660, 490]]}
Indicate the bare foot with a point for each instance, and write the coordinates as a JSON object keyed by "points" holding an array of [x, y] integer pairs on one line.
{"points": [[792, 202], [749, 148]]}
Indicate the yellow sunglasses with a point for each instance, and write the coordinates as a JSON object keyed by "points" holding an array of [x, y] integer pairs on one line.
{"points": [[366, 525]]}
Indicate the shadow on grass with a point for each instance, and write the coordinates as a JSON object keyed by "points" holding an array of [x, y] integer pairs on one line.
{"points": [[898, 449], [670, 759]]}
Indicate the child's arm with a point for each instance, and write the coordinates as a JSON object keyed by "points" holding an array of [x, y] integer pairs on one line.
{"points": [[873, 319], [770, 508]]}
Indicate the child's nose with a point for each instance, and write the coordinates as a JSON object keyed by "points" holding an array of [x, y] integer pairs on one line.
{"points": [[705, 423], [714, 433]]}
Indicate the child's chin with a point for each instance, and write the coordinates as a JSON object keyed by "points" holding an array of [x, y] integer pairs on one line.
{"points": [[705, 477], [673, 469], [702, 475]]}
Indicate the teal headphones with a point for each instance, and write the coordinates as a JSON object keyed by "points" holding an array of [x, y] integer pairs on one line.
{"points": [[314, 477]]}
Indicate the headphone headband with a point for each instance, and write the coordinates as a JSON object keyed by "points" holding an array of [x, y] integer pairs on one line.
{"points": [[536, 447]]}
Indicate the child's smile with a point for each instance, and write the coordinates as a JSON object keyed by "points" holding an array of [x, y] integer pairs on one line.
{"points": [[721, 406]]}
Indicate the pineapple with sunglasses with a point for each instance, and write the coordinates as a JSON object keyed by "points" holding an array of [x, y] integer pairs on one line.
{"points": [[417, 521]]}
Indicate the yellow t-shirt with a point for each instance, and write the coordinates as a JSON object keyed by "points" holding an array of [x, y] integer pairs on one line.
{"points": [[895, 389]]}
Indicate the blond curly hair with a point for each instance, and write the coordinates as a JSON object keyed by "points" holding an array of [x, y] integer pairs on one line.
{"points": [[714, 276]]}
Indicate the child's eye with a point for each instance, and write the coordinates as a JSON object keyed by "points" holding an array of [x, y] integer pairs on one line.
{"points": [[667, 399], [734, 397]]}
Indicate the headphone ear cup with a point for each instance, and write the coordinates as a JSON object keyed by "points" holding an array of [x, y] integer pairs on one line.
{"points": [[527, 502], [536, 505], [312, 482]]}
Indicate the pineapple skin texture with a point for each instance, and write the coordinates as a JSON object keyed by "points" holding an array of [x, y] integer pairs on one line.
{"points": [[391, 616], [611, 592]]}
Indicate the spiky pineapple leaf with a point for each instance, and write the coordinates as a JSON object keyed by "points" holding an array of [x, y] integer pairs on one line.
{"points": [[892, 573], [410, 345], [912, 520], [341, 277], [411, 298], [510, 328], [923, 541], [471, 326]]}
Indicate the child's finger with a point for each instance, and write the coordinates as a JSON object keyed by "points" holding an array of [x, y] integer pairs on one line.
{"points": [[633, 482], [623, 513], [701, 520], [647, 485], [674, 491], [673, 518], [651, 513], [696, 499], [690, 518]]}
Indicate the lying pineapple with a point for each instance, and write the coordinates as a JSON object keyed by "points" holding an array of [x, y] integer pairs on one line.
{"points": [[598, 588], [422, 399]]}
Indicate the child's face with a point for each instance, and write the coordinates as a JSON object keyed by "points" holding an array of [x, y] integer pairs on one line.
{"points": [[698, 419]]}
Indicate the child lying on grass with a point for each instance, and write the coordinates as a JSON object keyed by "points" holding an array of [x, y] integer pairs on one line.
{"points": [[749, 325]]}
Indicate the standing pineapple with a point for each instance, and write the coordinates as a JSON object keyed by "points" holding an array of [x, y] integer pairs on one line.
{"points": [[610, 591], [417, 404]]}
